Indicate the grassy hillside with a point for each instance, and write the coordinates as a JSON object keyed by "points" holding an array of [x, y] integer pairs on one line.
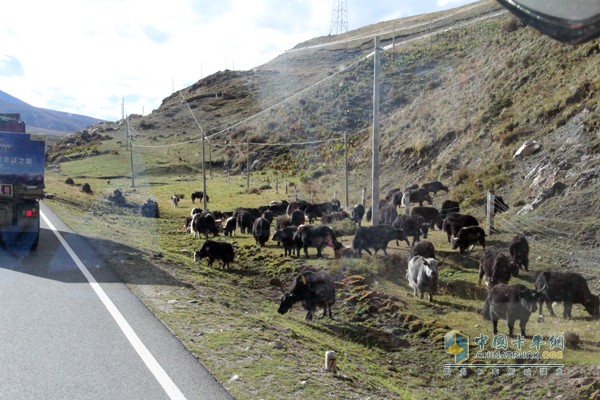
{"points": [[461, 92]]}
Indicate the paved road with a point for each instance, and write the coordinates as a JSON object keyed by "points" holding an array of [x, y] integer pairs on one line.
{"points": [[62, 337]]}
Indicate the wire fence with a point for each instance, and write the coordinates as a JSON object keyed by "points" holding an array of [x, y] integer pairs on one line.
{"points": [[546, 237]]}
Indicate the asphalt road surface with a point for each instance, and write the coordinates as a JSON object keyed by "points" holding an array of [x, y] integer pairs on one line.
{"points": [[71, 330]]}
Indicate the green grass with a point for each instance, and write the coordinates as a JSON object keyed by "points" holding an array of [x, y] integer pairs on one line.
{"points": [[228, 318]]}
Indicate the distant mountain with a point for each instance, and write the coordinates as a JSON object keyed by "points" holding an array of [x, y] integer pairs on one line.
{"points": [[45, 121]]}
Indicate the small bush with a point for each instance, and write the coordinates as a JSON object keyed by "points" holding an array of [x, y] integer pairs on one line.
{"points": [[146, 125], [86, 188], [117, 198], [398, 99], [462, 176], [256, 138], [343, 228], [512, 24], [150, 209], [317, 174], [419, 144], [433, 84], [497, 107], [572, 340], [511, 136]]}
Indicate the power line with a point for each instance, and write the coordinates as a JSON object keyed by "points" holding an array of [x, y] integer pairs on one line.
{"points": [[320, 82], [392, 29]]}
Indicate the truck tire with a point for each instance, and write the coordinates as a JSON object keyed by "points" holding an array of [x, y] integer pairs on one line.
{"points": [[35, 242]]}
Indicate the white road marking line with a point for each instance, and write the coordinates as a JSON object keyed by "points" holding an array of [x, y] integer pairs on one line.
{"points": [[159, 373]]}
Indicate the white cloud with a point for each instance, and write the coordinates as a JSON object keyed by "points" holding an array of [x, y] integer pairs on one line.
{"points": [[10, 66]]}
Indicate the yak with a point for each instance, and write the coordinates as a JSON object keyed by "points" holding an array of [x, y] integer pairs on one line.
{"points": [[512, 303], [568, 287], [454, 221], [496, 267], [313, 289], [424, 248], [375, 237], [215, 251], [358, 212], [468, 236], [285, 235], [434, 187], [519, 253], [319, 236], [422, 275]]}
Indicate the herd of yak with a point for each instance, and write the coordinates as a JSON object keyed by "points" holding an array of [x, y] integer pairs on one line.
{"points": [[294, 230]]}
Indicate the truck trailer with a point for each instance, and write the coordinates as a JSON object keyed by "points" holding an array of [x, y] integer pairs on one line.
{"points": [[22, 161]]}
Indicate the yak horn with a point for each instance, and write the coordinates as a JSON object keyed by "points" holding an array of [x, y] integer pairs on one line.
{"points": [[303, 278], [542, 289]]}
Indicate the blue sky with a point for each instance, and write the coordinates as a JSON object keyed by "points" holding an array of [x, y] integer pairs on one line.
{"points": [[86, 56]]}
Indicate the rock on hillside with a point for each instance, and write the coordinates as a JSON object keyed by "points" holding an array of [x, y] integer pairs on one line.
{"points": [[567, 165]]}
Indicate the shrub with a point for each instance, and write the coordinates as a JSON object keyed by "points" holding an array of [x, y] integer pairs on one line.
{"points": [[86, 188], [462, 176], [150, 209], [146, 125], [343, 228], [317, 174], [496, 108], [511, 24], [572, 340], [117, 198]]}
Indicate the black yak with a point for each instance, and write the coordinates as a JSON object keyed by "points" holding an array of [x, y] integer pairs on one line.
{"points": [[313, 289]]}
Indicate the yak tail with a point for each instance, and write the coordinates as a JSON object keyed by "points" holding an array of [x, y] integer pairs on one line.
{"points": [[485, 311]]}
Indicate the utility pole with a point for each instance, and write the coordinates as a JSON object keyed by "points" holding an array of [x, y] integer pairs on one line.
{"points": [[346, 164], [210, 159], [203, 139], [375, 149], [130, 151], [247, 165], [126, 126], [491, 201], [203, 174]]}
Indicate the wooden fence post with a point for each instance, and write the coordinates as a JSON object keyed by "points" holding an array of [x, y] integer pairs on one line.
{"points": [[491, 199]]}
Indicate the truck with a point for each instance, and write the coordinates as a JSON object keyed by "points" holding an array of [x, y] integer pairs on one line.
{"points": [[22, 161]]}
